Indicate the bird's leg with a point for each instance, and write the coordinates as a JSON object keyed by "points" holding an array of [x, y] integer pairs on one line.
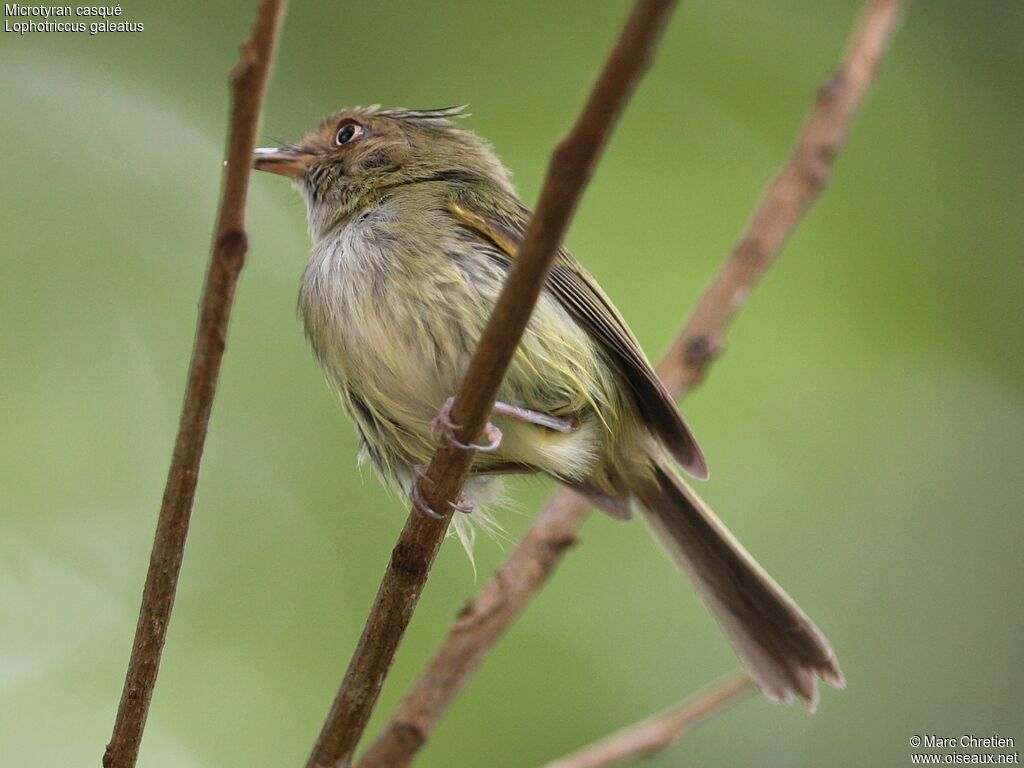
{"points": [[535, 417], [443, 426]]}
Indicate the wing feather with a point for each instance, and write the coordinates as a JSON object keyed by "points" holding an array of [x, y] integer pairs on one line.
{"points": [[503, 223]]}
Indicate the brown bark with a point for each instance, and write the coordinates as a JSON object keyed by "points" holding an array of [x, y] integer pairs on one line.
{"points": [[248, 85], [571, 166], [485, 619]]}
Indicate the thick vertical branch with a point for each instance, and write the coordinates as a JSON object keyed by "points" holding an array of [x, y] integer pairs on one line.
{"points": [[570, 169], [485, 619], [248, 85]]}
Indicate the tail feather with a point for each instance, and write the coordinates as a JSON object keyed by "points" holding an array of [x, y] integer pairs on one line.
{"points": [[781, 648]]}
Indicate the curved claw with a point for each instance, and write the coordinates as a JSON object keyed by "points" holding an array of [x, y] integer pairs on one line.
{"points": [[416, 497], [493, 434], [466, 505], [443, 426]]}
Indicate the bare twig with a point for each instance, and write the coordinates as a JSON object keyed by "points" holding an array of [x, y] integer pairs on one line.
{"points": [[485, 619], [248, 85], [571, 166], [787, 199], [648, 738]]}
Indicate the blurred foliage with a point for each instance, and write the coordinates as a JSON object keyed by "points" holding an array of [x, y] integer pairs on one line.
{"points": [[865, 428]]}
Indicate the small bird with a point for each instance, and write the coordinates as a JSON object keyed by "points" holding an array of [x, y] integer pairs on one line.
{"points": [[415, 225]]}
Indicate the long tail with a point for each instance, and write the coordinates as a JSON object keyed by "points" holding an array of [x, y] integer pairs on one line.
{"points": [[781, 648]]}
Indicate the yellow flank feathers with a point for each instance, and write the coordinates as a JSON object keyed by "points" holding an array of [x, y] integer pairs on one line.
{"points": [[478, 222]]}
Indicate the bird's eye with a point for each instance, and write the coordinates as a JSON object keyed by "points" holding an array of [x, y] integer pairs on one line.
{"points": [[347, 133]]}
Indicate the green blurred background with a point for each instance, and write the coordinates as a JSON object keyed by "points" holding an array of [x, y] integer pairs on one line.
{"points": [[865, 428]]}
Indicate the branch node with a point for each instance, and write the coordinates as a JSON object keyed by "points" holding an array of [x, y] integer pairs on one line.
{"points": [[816, 164], [246, 65], [752, 252], [567, 157], [406, 559], [476, 611], [831, 88], [411, 735], [700, 351], [559, 544], [233, 245]]}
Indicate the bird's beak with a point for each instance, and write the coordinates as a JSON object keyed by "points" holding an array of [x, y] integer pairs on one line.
{"points": [[285, 161]]}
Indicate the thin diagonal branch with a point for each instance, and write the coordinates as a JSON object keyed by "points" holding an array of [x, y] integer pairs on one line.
{"points": [[571, 167], [658, 733], [248, 86], [485, 619], [789, 196]]}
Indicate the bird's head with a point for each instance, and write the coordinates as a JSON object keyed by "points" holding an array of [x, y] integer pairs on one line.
{"points": [[356, 155]]}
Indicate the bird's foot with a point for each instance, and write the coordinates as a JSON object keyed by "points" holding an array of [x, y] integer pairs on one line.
{"points": [[419, 502], [465, 504], [443, 427]]}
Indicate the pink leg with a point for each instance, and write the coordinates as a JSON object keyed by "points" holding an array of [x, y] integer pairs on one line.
{"points": [[535, 417], [443, 426]]}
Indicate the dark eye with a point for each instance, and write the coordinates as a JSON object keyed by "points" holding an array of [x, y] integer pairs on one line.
{"points": [[348, 132]]}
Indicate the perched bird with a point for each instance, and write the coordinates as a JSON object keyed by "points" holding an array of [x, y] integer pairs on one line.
{"points": [[414, 226]]}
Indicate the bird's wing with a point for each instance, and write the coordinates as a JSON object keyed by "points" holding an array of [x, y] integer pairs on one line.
{"points": [[503, 223]]}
